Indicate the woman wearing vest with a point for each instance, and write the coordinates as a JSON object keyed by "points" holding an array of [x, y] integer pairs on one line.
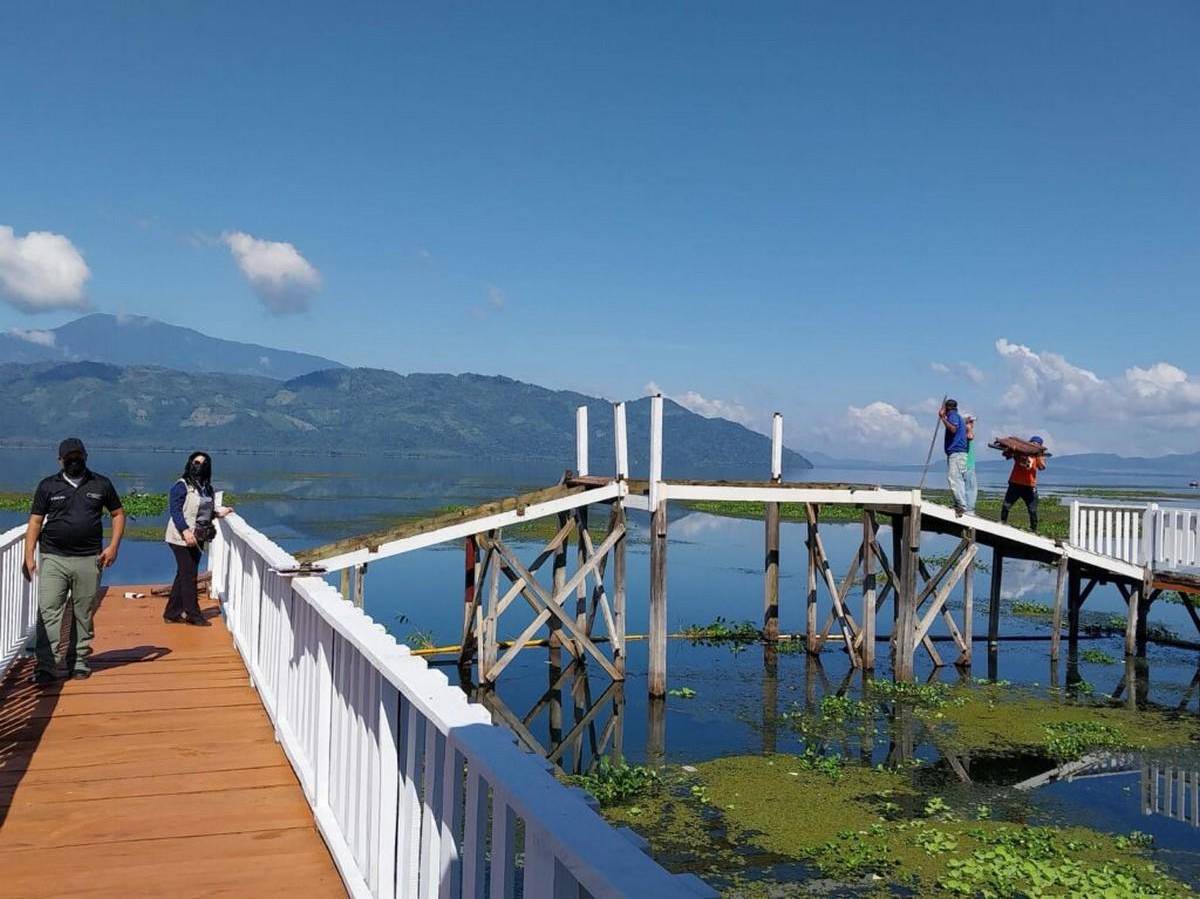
{"points": [[189, 528]]}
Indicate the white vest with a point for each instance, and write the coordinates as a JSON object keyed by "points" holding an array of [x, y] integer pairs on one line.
{"points": [[191, 505]]}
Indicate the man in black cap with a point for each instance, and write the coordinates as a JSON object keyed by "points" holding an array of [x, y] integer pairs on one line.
{"points": [[64, 521]]}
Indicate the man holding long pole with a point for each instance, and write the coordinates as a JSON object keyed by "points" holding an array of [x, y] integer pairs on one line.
{"points": [[955, 444]]}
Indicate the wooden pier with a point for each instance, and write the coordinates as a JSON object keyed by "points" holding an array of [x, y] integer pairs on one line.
{"points": [[898, 577], [160, 774]]}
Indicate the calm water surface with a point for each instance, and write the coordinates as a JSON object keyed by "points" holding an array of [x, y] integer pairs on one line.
{"points": [[714, 570]]}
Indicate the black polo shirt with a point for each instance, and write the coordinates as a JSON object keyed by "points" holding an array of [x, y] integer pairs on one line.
{"points": [[72, 525]]}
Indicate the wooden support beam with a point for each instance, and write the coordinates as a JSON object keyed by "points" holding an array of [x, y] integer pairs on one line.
{"points": [[845, 620], [994, 599], [968, 629], [657, 679], [1060, 589], [1074, 601], [964, 561], [619, 588], [581, 616], [552, 606], [810, 594], [906, 598], [770, 627], [360, 583], [868, 591]]}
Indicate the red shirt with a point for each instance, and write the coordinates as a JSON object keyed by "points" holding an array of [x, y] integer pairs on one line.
{"points": [[1025, 469]]}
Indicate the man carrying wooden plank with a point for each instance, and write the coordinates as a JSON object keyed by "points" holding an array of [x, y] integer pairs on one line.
{"points": [[1022, 481], [956, 453]]}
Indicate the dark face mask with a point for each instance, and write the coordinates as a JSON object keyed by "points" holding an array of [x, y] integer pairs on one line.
{"points": [[75, 466], [199, 471]]}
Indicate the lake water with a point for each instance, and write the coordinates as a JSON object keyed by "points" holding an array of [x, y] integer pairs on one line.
{"points": [[714, 571]]}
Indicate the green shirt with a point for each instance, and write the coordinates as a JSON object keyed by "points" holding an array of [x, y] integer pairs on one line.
{"points": [[970, 455]]}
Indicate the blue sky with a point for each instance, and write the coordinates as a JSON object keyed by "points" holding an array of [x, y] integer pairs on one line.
{"points": [[812, 208]]}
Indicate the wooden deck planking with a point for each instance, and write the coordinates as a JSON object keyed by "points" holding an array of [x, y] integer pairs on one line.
{"points": [[159, 775]]}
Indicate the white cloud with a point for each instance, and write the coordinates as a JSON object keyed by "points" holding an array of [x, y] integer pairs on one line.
{"points": [[964, 370], [41, 338], [41, 271], [881, 425], [496, 298], [283, 279], [709, 407], [1049, 385]]}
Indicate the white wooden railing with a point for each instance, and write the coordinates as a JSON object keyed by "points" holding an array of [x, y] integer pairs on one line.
{"points": [[18, 598], [413, 789], [1175, 537], [1109, 529], [1164, 538]]}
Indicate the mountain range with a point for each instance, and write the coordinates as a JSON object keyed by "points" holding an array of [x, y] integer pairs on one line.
{"points": [[139, 340], [119, 382]]}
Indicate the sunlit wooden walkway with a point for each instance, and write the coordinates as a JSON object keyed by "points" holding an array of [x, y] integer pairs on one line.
{"points": [[158, 776]]}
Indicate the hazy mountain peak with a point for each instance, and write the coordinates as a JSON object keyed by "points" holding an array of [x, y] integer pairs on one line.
{"points": [[141, 340]]}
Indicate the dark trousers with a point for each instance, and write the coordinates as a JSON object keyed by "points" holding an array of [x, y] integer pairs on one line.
{"points": [[1022, 492], [183, 591]]}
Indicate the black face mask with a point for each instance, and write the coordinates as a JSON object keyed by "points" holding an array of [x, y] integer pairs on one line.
{"points": [[75, 467], [199, 472]]}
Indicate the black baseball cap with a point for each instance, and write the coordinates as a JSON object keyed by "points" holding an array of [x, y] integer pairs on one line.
{"points": [[71, 445], [951, 404]]}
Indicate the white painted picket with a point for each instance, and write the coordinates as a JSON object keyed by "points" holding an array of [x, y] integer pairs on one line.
{"points": [[1109, 529], [18, 598], [413, 789], [1164, 537]]}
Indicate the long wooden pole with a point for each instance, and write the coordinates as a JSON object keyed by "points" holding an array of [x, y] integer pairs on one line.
{"points": [[770, 626], [1060, 589], [964, 657], [994, 600], [868, 592], [932, 442], [658, 601], [907, 596]]}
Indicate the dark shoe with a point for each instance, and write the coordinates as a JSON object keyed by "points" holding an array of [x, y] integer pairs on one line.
{"points": [[81, 674], [43, 678], [174, 619], [198, 622]]}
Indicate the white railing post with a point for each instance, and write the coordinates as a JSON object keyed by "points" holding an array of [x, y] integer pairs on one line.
{"points": [[621, 441], [581, 441], [1073, 537], [777, 447], [656, 449]]}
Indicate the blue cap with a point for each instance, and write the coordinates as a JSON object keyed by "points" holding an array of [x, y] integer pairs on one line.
{"points": [[1037, 439]]}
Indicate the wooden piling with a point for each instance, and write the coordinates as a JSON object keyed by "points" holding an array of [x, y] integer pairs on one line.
{"points": [[344, 586], [581, 592], [1074, 601], [770, 627], [619, 589], [558, 575], [906, 598], [1060, 589], [360, 579], [994, 600], [968, 629], [658, 601], [812, 637], [868, 592]]}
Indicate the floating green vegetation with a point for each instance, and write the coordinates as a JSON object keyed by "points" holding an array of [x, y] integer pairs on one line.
{"points": [[682, 692], [923, 696], [1070, 740], [720, 631], [1096, 657], [872, 828], [420, 639], [615, 783], [992, 719], [1028, 609]]}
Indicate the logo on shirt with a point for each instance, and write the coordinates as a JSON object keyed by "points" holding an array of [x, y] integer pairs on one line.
{"points": [[95, 496], [55, 499]]}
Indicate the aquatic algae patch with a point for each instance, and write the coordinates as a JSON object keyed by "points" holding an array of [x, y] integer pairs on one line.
{"points": [[870, 827]]}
